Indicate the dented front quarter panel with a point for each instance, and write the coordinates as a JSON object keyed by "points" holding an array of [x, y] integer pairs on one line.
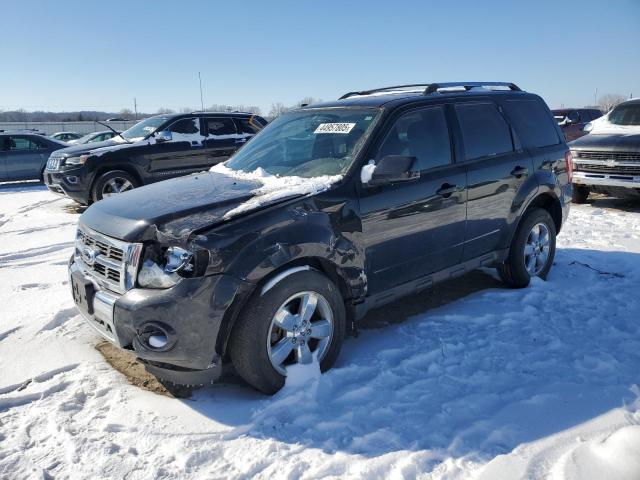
{"points": [[323, 227]]}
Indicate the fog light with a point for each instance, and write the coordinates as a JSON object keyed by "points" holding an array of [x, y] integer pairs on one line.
{"points": [[73, 179], [156, 336], [158, 341]]}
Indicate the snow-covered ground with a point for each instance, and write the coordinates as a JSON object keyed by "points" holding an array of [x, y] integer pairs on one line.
{"points": [[500, 384]]}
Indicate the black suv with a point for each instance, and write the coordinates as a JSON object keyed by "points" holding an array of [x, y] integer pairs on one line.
{"points": [[156, 148], [331, 210]]}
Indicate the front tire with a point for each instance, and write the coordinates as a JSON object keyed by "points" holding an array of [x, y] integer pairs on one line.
{"points": [[580, 194], [300, 317], [112, 183], [532, 250]]}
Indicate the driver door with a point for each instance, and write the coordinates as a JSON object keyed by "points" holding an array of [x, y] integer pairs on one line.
{"points": [[415, 228]]}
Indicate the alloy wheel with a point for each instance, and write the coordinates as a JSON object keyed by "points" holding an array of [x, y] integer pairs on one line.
{"points": [[302, 326]]}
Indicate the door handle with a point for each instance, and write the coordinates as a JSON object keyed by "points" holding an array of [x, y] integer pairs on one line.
{"points": [[446, 190], [241, 140], [519, 172]]}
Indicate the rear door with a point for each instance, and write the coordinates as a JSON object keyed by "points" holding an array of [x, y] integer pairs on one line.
{"points": [[415, 228], [496, 169], [25, 157], [184, 154], [222, 139]]}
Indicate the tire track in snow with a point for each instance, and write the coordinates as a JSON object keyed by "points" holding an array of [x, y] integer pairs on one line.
{"points": [[10, 258], [41, 378], [4, 335], [60, 318]]}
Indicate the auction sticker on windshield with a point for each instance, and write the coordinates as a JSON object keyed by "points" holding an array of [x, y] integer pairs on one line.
{"points": [[334, 128]]}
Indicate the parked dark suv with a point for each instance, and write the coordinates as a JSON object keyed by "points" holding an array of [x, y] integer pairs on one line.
{"points": [[573, 120], [331, 210], [154, 149]]}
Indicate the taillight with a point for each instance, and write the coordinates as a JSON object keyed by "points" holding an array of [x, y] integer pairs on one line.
{"points": [[569, 161]]}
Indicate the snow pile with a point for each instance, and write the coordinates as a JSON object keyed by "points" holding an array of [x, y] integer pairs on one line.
{"points": [[498, 384], [274, 187]]}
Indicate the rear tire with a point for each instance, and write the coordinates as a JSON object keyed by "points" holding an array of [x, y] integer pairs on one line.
{"points": [[580, 194], [261, 349], [532, 250], [112, 183]]}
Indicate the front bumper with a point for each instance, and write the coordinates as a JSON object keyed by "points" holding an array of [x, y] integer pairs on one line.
{"points": [[606, 179], [193, 313], [75, 183]]}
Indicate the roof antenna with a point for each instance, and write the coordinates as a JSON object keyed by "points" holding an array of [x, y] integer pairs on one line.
{"points": [[201, 100]]}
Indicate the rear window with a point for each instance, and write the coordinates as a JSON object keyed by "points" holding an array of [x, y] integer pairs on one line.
{"points": [[532, 122], [484, 131]]}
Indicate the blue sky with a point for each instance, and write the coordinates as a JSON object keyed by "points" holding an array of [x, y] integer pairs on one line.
{"points": [[71, 55]]}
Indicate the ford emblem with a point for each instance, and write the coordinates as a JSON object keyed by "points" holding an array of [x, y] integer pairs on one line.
{"points": [[88, 255]]}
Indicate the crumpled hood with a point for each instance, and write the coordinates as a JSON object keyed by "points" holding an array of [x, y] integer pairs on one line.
{"points": [[610, 143], [75, 150], [169, 209]]}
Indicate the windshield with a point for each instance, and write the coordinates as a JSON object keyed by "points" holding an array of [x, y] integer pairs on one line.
{"points": [[143, 128], [625, 114], [307, 143]]}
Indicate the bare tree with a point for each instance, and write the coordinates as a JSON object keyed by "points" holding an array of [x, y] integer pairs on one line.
{"points": [[277, 109], [610, 100], [164, 111], [186, 110]]}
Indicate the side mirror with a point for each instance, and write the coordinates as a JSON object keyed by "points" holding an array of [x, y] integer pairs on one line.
{"points": [[164, 136], [391, 169]]}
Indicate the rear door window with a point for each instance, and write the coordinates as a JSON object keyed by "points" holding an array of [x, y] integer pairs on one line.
{"points": [[423, 134], [485, 132], [220, 127], [533, 123]]}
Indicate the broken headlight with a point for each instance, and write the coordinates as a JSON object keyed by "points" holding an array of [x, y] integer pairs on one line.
{"points": [[166, 271]]}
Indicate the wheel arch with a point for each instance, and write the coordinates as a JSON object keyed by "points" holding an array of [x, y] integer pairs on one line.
{"points": [[125, 167], [549, 202], [321, 265]]}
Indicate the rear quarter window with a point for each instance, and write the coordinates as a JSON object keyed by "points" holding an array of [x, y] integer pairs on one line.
{"points": [[533, 123], [484, 131]]}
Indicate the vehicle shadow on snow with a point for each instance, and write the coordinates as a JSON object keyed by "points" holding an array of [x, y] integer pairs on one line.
{"points": [[476, 371], [26, 186]]}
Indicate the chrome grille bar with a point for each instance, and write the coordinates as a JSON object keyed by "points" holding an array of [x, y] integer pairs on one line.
{"points": [[111, 263]]}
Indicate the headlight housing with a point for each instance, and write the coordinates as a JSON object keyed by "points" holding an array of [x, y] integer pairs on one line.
{"points": [[81, 160], [175, 263]]}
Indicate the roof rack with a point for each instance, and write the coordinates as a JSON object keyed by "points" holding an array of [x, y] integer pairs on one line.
{"points": [[430, 88], [383, 89], [435, 87]]}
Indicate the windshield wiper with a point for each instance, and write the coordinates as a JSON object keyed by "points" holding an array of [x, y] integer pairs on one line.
{"points": [[114, 131]]}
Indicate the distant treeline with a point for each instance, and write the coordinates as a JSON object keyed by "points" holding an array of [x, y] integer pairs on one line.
{"points": [[83, 116], [22, 115]]}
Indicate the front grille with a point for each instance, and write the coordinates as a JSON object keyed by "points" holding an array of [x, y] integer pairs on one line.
{"points": [[109, 251], [53, 164], [111, 262], [608, 169], [616, 156]]}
